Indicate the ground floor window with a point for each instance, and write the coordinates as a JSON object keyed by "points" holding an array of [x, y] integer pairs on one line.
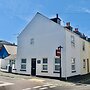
{"points": [[23, 64], [57, 65], [73, 68], [84, 63], [45, 67], [45, 64]]}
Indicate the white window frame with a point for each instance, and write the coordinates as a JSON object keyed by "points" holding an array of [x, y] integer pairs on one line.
{"points": [[23, 63], [73, 61], [57, 64], [44, 64]]}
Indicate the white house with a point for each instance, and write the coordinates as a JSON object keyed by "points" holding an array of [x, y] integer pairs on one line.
{"points": [[37, 46], [7, 64]]}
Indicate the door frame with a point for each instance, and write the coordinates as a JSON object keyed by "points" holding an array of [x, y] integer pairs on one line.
{"points": [[33, 66]]}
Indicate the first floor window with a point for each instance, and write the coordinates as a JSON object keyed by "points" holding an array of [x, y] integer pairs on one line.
{"points": [[57, 64], [72, 40], [23, 64], [45, 64], [73, 65], [83, 46]]}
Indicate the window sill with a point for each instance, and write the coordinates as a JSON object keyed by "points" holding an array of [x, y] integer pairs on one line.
{"points": [[14, 69], [22, 70], [73, 71], [45, 71], [56, 72], [3, 68]]}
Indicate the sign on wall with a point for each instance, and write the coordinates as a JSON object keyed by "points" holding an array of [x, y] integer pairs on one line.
{"points": [[58, 52]]}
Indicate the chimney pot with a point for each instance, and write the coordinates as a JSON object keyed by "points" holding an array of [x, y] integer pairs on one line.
{"points": [[68, 24]]}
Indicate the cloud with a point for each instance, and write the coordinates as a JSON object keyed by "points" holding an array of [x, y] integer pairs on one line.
{"points": [[86, 10]]}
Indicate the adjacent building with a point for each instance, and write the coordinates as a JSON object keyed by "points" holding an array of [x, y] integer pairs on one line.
{"points": [[39, 49], [8, 53]]}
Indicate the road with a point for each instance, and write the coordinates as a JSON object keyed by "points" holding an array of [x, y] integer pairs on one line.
{"points": [[19, 82]]}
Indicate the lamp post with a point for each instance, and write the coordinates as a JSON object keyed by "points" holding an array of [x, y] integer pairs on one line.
{"points": [[60, 47]]}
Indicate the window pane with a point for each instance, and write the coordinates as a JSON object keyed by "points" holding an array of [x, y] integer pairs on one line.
{"points": [[13, 62], [23, 61], [57, 67], [83, 47], [73, 64], [84, 63], [72, 40], [57, 60], [23, 66], [45, 60], [44, 67], [73, 61], [73, 67]]}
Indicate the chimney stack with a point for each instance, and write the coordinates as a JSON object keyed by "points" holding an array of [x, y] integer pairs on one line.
{"points": [[56, 19], [56, 15], [68, 24], [76, 29]]}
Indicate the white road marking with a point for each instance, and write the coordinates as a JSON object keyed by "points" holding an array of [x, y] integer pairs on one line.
{"points": [[52, 86], [36, 87], [56, 84], [43, 88], [46, 85], [27, 89], [6, 84], [37, 80]]}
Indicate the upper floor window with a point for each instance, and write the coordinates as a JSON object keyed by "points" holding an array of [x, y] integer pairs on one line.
{"points": [[45, 60], [32, 41], [83, 46], [72, 40]]}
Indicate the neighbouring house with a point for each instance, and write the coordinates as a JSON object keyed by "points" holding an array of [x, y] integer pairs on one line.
{"points": [[46, 48], [10, 63], [8, 53]]}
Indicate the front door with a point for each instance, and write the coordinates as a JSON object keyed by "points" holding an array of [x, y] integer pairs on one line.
{"points": [[87, 65], [33, 66], [10, 66]]}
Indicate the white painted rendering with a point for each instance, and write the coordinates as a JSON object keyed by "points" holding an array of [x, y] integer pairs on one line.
{"points": [[47, 36]]}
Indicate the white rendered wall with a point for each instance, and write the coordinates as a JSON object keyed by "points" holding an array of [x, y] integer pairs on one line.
{"points": [[72, 52], [48, 36], [85, 55]]}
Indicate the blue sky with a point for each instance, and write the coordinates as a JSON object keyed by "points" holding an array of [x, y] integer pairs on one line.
{"points": [[16, 14]]}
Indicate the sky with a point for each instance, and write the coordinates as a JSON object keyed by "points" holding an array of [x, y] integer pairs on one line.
{"points": [[16, 14]]}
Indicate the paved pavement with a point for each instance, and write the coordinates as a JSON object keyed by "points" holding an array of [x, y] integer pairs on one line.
{"points": [[21, 82]]}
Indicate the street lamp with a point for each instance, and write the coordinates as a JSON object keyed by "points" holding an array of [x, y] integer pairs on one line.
{"points": [[59, 48]]}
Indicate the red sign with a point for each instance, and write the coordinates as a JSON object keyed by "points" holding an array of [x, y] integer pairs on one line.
{"points": [[58, 52]]}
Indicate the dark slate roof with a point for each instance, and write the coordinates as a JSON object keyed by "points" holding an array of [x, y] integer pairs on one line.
{"points": [[3, 42]]}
